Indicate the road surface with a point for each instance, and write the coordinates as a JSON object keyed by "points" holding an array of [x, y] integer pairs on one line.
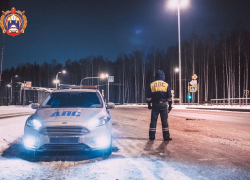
{"points": [[206, 145]]}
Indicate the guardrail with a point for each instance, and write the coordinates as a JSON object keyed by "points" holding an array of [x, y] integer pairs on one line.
{"points": [[231, 101]]}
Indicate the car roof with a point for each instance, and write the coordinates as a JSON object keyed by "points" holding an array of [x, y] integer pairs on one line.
{"points": [[76, 90]]}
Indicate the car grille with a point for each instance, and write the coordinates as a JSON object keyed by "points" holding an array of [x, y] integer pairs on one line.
{"points": [[64, 147], [64, 130]]}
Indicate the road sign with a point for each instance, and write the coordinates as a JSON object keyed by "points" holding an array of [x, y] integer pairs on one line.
{"points": [[193, 89], [111, 79], [193, 82], [194, 76]]}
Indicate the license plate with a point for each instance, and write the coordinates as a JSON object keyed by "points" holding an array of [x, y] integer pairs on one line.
{"points": [[71, 140]]}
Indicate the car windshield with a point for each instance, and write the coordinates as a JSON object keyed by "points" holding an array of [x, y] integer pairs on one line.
{"points": [[73, 99]]}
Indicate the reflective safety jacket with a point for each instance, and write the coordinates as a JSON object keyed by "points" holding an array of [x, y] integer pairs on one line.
{"points": [[159, 90]]}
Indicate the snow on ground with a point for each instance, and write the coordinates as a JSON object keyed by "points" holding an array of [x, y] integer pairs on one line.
{"points": [[20, 109], [176, 106], [15, 109], [136, 158]]}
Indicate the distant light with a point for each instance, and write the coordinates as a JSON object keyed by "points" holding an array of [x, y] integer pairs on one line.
{"points": [[176, 69], [16, 75], [56, 81], [184, 3], [189, 97], [63, 71], [102, 76], [8, 85], [175, 3]]}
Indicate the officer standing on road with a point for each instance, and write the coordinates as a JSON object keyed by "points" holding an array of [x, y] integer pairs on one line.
{"points": [[159, 94]]}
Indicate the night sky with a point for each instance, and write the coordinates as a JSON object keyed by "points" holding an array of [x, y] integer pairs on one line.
{"points": [[74, 29]]}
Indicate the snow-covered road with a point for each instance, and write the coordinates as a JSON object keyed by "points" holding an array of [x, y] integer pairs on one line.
{"points": [[206, 145]]}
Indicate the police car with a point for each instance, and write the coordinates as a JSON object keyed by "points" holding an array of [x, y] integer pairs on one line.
{"points": [[13, 29], [69, 120]]}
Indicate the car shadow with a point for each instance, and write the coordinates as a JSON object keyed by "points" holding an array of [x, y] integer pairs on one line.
{"points": [[17, 150]]}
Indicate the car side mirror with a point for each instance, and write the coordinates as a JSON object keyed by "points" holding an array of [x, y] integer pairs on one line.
{"points": [[35, 105], [110, 105]]}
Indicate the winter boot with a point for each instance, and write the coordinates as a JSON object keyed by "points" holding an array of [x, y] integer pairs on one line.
{"points": [[167, 138], [151, 135]]}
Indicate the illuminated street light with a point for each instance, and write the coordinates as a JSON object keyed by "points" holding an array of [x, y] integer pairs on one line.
{"points": [[8, 98], [176, 69], [56, 81], [102, 76], [179, 4]]}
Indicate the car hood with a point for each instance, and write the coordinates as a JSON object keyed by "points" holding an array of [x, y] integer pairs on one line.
{"points": [[54, 116]]}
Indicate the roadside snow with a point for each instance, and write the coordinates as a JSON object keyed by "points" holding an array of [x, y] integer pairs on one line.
{"points": [[15, 109]]}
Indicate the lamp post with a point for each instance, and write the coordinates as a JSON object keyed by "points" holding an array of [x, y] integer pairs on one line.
{"points": [[102, 76], [11, 88], [57, 81], [88, 78], [176, 70], [8, 99], [179, 4]]}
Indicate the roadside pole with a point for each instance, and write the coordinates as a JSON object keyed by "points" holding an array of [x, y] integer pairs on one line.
{"points": [[108, 90], [24, 97], [198, 95], [188, 95], [246, 97]]}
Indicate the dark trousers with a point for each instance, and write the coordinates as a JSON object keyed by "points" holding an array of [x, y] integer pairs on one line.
{"points": [[159, 108]]}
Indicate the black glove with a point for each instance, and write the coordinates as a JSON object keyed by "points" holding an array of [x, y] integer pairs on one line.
{"points": [[170, 106], [149, 106]]}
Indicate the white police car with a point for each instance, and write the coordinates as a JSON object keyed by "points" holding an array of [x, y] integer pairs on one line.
{"points": [[13, 29], [68, 120]]}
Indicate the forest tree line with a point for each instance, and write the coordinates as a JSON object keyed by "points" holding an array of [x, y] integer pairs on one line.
{"points": [[220, 62]]}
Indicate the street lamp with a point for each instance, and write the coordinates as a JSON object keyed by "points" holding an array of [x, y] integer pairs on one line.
{"points": [[56, 81], [8, 99], [11, 88], [102, 76], [179, 4], [176, 70]]}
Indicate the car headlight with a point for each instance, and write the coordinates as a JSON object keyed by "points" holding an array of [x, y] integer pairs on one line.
{"points": [[98, 122], [36, 124]]}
